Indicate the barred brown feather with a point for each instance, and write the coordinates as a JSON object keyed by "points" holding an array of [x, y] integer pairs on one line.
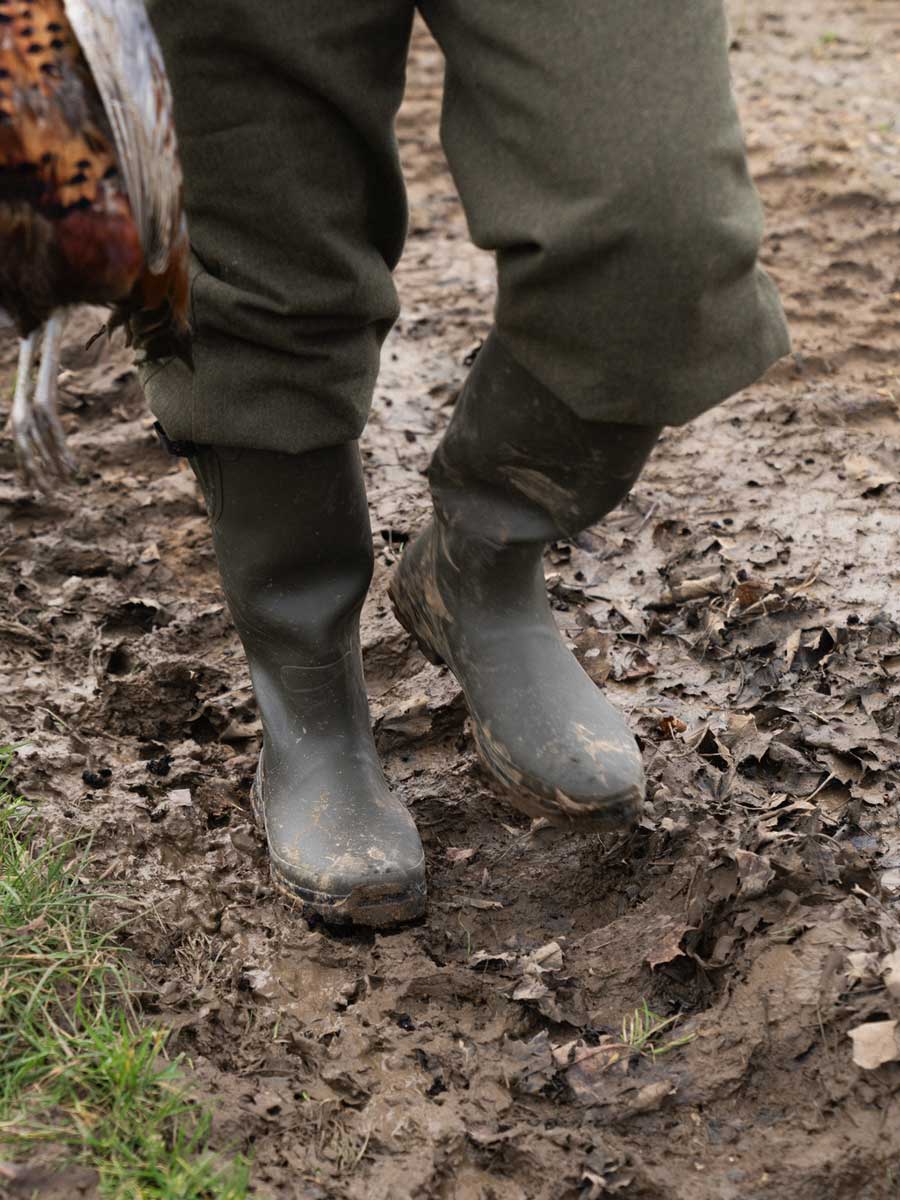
{"points": [[90, 185]]}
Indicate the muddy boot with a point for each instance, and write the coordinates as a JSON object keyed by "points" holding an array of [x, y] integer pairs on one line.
{"points": [[292, 538], [515, 470]]}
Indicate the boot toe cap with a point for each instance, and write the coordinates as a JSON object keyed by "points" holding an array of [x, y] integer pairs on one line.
{"points": [[367, 885], [587, 781]]}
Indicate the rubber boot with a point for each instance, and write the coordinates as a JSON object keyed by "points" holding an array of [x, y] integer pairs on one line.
{"points": [[517, 469], [294, 547]]}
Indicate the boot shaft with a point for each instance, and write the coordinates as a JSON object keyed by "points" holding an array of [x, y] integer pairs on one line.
{"points": [[518, 465], [294, 547]]}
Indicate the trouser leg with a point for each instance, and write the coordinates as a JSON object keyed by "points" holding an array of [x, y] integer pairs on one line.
{"points": [[296, 211], [295, 203], [597, 150]]}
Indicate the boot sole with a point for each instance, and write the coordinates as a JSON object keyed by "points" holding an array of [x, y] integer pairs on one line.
{"points": [[618, 813], [374, 905]]}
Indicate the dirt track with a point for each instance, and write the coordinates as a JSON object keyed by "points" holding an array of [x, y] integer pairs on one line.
{"points": [[742, 606]]}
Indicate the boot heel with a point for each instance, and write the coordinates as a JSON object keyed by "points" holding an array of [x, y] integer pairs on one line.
{"points": [[407, 620]]}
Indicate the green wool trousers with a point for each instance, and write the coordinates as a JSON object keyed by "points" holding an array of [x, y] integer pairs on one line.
{"points": [[597, 152]]}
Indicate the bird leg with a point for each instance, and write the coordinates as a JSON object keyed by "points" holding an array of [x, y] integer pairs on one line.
{"points": [[46, 397], [37, 432], [18, 418]]}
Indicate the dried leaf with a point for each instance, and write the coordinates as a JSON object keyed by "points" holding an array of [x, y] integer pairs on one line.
{"points": [[592, 649], [866, 471], [652, 1095], [487, 958], [890, 969], [532, 1063], [791, 648], [692, 589], [863, 965], [670, 726], [667, 947], [547, 958], [532, 987], [875, 1044], [750, 592], [458, 854], [754, 872]]}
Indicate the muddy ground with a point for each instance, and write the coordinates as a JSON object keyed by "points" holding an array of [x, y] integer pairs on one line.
{"points": [[741, 606]]}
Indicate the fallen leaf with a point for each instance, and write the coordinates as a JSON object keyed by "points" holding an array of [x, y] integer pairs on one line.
{"points": [[592, 649], [600, 1074], [532, 1066], [875, 1044], [602, 1173], [531, 988], [630, 664], [871, 474], [262, 982], [754, 871], [669, 726], [890, 969], [458, 854], [791, 648], [547, 958], [667, 946], [692, 589], [487, 958], [750, 592], [652, 1095], [862, 965]]}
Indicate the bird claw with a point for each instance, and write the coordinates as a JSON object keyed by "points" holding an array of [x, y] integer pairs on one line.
{"points": [[41, 451], [37, 432]]}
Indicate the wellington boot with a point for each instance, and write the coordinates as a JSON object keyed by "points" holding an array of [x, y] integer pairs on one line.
{"points": [[292, 539], [515, 470]]}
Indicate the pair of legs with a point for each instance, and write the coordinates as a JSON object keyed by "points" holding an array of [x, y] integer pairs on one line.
{"points": [[598, 153], [38, 437]]}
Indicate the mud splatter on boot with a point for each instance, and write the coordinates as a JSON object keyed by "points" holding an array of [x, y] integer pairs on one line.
{"points": [[515, 470]]}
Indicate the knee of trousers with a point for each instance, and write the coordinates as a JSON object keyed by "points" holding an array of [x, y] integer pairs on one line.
{"points": [[628, 279], [647, 312]]}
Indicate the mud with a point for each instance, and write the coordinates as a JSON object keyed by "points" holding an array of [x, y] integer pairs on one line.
{"points": [[741, 606]]}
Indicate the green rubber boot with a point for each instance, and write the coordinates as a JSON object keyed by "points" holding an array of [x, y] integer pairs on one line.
{"points": [[517, 469], [294, 547]]}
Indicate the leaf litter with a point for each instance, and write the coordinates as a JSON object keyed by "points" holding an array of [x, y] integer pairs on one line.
{"points": [[741, 607]]}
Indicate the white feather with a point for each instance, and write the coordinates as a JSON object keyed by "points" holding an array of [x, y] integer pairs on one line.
{"points": [[127, 64]]}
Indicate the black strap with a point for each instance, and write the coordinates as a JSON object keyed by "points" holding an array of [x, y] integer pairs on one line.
{"points": [[177, 449]]}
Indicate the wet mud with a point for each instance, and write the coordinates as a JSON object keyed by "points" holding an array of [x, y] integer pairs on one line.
{"points": [[741, 606]]}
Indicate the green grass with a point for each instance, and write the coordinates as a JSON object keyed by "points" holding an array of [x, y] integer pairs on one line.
{"points": [[642, 1028], [76, 1068]]}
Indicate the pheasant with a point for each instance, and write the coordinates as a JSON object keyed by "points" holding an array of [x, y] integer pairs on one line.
{"points": [[90, 194]]}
